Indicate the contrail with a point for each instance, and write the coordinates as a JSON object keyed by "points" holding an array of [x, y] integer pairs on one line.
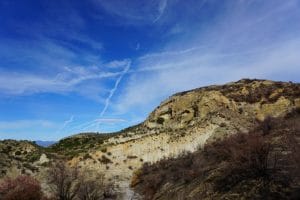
{"points": [[112, 91], [66, 123], [161, 9], [97, 122]]}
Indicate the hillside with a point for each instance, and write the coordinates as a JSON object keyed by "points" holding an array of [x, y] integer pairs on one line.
{"points": [[20, 157], [184, 122], [262, 164]]}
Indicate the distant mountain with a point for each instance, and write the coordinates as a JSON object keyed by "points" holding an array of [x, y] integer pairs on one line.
{"points": [[44, 143]]}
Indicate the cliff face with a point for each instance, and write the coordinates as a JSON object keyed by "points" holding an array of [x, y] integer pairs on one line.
{"points": [[184, 122]]}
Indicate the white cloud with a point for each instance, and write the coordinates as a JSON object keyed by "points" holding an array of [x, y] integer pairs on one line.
{"points": [[109, 120], [13, 83], [117, 63], [25, 124]]}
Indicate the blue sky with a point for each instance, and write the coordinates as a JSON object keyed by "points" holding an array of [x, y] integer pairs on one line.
{"points": [[75, 66]]}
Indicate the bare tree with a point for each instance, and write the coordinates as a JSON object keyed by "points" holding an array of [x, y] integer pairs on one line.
{"points": [[69, 183], [64, 181], [91, 188]]}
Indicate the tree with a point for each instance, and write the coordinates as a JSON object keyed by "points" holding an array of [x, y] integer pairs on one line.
{"points": [[64, 181]]}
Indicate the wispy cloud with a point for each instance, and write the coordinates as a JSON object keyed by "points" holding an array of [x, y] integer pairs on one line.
{"points": [[135, 12], [28, 129], [110, 120], [25, 124], [240, 44], [13, 83], [193, 43], [161, 9], [94, 125], [117, 63]]}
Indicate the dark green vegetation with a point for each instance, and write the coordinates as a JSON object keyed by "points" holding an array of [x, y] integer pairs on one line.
{"points": [[79, 144], [262, 164]]}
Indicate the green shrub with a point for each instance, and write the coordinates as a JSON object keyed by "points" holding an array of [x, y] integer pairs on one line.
{"points": [[105, 160], [160, 120], [87, 156], [103, 149]]}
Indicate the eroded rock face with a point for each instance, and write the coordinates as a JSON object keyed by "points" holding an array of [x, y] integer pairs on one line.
{"points": [[249, 98], [185, 122]]}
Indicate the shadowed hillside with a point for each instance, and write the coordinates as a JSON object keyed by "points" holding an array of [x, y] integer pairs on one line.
{"points": [[261, 164]]}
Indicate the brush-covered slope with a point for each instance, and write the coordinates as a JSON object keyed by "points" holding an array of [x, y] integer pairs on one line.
{"points": [[261, 164], [20, 157]]}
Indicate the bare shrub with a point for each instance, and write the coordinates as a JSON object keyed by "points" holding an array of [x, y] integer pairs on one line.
{"points": [[64, 181], [293, 156], [95, 187], [68, 183], [247, 156], [20, 188], [265, 162], [151, 177]]}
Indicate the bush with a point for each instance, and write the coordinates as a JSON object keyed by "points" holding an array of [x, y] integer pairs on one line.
{"points": [[160, 120], [265, 161], [87, 156], [247, 156], [95, 188], [64, 181], [103, 149], [105, 160], [20, 188], [68, 183]]}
